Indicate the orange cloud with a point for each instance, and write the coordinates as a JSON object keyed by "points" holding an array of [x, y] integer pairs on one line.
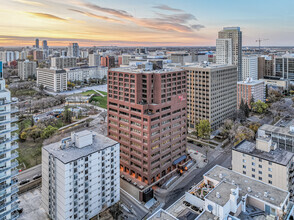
{"points": [[89, 14], [46, 16]]}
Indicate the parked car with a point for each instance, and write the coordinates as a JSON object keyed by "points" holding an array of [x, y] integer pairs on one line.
{"points": [[37, 176], [24, 182]]}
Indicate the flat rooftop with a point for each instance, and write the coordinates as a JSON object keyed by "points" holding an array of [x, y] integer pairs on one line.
{"points": [[162, 215], [275, 196], [223, 189], [207, 66], [206, 216], [278, 155], [72, 153], [138, 70], [251, 82], [283, 129]]}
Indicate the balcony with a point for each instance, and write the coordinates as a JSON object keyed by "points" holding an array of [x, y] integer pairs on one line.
{"points": [[11, 111], [3, 205], [3, 150], [13, 208], [12, 129], [7, 140], [13, 156], [11, 120], [5, 186]]}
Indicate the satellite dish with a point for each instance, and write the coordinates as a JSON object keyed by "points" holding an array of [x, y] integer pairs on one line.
{"points": [[210, 208]]}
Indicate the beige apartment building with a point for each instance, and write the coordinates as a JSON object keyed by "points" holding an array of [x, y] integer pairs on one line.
{"points": [[52, 79], [211, 93], [265, 162]]}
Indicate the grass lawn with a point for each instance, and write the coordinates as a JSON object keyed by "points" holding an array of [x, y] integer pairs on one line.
{"points": [[23, 92], [102, 101], [90, 92], [29, 153]]}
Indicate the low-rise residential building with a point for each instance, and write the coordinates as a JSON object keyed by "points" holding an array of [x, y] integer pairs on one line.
{"points": [[211, 93], [224, 194], [276, 83], [265, 162], [250, 90], [52, 79], [80, 176], [86, 73], [63, 62], [27, 69]]}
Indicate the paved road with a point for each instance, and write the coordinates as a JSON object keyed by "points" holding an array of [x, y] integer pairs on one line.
{"points": [[102, 88], [138, 211], [30, 173], [196, 176]]}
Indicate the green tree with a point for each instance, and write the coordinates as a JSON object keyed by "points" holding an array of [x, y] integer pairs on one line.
{"points": [[23, 135], [252, 101], [242, 105], [35, 133], [246, 110], [203, 129], [48, 132], [67, 115], [259, 107]]}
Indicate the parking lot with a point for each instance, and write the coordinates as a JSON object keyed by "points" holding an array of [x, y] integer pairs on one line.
{"points": [[31, 204]]}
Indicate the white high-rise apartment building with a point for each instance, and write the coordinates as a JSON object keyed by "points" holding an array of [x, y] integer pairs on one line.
{"points": [[235, 34], [52, 79], [23, 55], [80, 176], [94, 59], [224, 52], [27, 69], [73, 50], [249, 67], [86, 73], [8, 155]]}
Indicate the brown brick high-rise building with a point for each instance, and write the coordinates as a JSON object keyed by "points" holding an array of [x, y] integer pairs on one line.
{"points": [[147, 116], [108, 61]]}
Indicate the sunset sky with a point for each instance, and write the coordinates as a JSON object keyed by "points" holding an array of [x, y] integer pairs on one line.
{"points": [[144, 23]]}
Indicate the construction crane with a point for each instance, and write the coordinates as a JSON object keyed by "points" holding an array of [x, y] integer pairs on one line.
{"points": [[259, 41]]}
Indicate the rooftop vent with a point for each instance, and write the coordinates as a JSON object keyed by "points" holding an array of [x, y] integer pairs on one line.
{"points": [[249, 189], [265, 194], [221, 175], [218, 195]]}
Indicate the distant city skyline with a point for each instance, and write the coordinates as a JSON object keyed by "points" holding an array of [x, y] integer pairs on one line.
{"points": [[143, 23]]}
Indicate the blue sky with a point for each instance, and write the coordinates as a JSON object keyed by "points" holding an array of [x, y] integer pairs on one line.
{"points": [[142, 22]]}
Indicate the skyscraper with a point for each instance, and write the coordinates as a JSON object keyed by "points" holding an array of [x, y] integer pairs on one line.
{"points": [[45, 45], [235, 34], [37, 43], [8, 145], [147, 116], [224, 51], [212, 94], [73, 50]]}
